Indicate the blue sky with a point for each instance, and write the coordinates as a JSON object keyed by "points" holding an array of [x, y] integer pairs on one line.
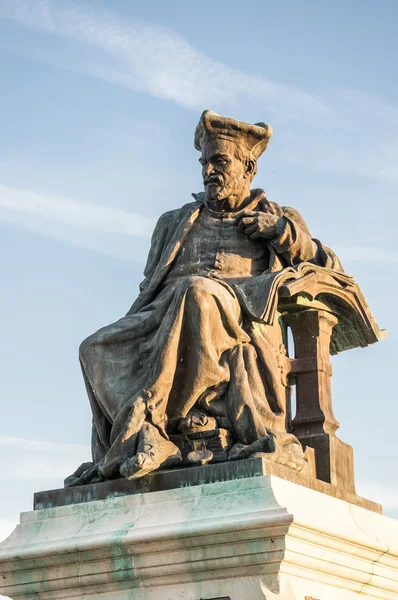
{"points": [[98, 107]]}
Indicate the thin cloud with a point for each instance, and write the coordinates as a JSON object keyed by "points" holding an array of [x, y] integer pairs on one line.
{"points": [[328, 132], [110, 231], [75, 213], [152, 59], [40, 461]]}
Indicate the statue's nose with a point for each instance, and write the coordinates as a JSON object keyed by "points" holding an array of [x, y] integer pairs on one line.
{"points": [[209, 169]]}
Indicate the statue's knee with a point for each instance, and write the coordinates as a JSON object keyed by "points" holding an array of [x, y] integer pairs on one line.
{"points": [[199, 287], [195, 282]]}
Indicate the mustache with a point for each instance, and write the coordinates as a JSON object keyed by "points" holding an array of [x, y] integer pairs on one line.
{"points": [[213, 179]]}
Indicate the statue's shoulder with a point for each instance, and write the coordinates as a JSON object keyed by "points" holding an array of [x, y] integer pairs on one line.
{"points": [[285, 211], [295, 215], [276, 209], [289, 211], [271, 207], [174, 216]]}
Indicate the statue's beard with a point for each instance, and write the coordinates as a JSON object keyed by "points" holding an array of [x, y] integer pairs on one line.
{"points": [[222, 190]]}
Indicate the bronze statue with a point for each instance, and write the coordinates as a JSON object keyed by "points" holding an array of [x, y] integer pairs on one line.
{"points": [[201, 353]]}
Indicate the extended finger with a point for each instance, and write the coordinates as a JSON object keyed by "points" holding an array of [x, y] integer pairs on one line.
{"points": [[255, 235]]}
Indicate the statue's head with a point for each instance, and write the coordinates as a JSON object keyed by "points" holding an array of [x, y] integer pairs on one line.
{"points": [[229, 152]]}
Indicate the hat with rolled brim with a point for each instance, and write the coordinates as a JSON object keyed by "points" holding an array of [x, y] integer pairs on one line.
{"points": [[254, 138]]}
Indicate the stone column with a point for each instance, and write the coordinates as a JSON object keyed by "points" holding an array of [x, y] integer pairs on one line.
{"points": [[315, 424]]}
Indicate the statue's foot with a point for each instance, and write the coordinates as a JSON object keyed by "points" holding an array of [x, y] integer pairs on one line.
{"points": [[265, 444], [87, 473], [199, 457], [197, 422], [153, 452], [168, 455]]}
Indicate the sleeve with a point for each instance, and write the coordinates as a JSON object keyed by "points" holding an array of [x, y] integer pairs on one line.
{"points": [[296, 245]]}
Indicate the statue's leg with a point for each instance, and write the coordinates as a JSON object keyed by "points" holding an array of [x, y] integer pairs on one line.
{"points": [[210, 327], [206, 323], [129, 422], [183, 359], [89, 473], [152, 366], [101, 426]]}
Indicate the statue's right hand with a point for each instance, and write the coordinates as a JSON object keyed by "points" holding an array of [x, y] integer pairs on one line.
{"points": [[256, 224]]}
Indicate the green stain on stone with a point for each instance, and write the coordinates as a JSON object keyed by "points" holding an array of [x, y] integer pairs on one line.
{"points": [[121, 559]]}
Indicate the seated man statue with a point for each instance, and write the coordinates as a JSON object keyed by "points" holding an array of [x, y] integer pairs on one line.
{"points": [[190, 348]]}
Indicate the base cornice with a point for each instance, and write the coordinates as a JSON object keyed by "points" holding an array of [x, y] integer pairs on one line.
{"points": [[249, 539]]}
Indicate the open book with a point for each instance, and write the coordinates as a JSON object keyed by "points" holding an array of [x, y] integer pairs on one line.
{"points": [[261, 296]]}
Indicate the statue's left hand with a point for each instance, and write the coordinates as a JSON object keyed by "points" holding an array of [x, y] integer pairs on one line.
{"points": [[257, 224]]}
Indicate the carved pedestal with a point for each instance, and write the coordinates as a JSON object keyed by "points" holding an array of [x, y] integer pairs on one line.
{"points": [[256, 538], [314, 423]]}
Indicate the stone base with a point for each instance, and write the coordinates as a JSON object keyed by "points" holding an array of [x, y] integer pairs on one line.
{"points": [[334, 459], [192, 476], [256, 538]]}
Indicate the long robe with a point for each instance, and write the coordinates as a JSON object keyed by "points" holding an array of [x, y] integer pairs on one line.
{"points": [[191, 339]]}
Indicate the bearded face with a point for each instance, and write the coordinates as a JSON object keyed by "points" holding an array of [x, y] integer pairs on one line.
{"points": [[224, 175]]}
